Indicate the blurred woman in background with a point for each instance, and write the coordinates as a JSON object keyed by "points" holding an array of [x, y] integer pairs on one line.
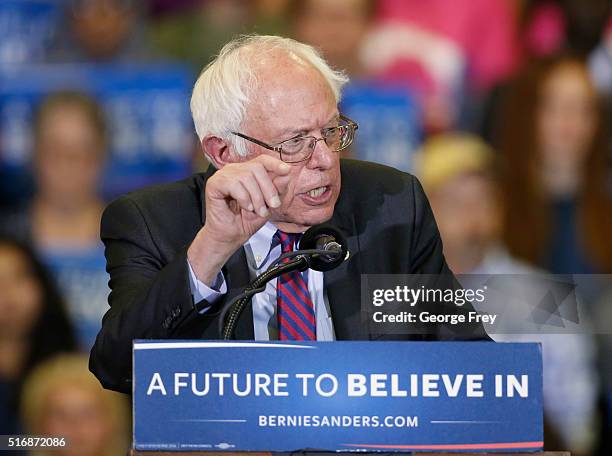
{"points": [[556, 178], [70, 142], [33, 324], [62, 221], [63, 399], [556, 183]]}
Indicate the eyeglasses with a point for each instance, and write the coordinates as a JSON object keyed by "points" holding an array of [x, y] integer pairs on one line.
{"points": [[300, 148]]}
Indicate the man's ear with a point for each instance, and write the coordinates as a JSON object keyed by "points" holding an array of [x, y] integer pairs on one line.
{"points": [[217, 150]]}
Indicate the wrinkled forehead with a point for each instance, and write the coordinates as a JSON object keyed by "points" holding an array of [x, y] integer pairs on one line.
{"points": [[289, 90]]}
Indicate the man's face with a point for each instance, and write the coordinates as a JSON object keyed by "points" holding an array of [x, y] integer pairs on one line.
{"points": [[294, 99], [469, 217]]}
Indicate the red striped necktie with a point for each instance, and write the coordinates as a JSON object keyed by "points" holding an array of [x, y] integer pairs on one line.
{"points": [[296, 316]]}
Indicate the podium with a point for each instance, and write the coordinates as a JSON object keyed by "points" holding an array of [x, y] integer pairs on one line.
{"points": [[259, 398], [212, 453]]}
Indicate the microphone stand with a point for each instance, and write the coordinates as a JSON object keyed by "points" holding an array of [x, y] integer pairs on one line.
{"points": [[324, 248], [299, 260], [234, 308]]}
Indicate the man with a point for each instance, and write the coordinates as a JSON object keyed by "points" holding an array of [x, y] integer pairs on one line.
{"points": [[266, 114]]}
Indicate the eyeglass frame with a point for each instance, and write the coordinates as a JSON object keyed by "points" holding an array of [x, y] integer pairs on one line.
{"points": [[278, 147]]}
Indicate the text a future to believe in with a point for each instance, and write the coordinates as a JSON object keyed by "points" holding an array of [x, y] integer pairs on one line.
{"points": [[328, 385]]}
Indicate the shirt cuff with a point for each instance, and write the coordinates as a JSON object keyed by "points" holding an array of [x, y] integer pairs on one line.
{"points": [[200, 291]]}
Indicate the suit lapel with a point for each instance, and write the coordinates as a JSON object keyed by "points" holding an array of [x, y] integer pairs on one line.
{"points": [[237, 276], [343, 284], [201, 184]]}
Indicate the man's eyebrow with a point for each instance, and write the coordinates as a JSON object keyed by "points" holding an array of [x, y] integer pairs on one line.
{"points": [[291, 133]]}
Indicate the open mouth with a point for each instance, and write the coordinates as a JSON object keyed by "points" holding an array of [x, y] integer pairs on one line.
{"points": [[318, 195], [316, 192]]}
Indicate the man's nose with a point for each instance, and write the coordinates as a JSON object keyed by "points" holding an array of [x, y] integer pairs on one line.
{"points": [[322, 156]]}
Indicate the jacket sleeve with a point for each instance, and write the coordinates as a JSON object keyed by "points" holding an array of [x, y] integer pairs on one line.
{"points": [[150, 298]]}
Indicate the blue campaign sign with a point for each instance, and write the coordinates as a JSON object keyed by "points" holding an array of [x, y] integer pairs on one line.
{"points": [[27, 28], [146, 106], [81, 276], [351, 396], [390, 124]]}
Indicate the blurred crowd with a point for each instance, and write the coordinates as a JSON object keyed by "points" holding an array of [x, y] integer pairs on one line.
{"points": [[500, 107]]}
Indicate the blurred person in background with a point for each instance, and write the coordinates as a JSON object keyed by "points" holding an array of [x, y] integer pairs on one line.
{"points": [[336, 28], [193, 31], [63, 220], [63, 399], [34, 325], [101, 31], [555, 146], [551, 26], [460, 175], [448, 53], [600, 63]]}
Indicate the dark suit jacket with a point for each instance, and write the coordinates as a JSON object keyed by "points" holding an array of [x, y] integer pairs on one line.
{"points": [[384, 212]]}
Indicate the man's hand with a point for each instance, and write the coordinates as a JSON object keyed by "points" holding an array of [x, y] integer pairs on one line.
{"points": [[238, 200]]}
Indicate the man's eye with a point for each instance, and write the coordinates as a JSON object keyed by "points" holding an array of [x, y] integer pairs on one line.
{"points": [[330, 132], [293, 142]]}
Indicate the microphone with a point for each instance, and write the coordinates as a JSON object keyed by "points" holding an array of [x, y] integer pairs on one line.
{"points": [[329, 238], [318, 237]]}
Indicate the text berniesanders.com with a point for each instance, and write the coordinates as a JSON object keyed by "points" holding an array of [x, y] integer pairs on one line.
{"points": [[337, 421]]}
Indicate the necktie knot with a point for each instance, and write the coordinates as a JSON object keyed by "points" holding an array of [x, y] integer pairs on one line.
{"points": [[287, 241]]}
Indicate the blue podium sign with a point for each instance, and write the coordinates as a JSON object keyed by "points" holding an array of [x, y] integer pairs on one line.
{"points": [[337, 396]]}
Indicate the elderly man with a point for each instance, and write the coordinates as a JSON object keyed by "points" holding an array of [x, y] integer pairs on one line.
{"points": [[266, 113]]}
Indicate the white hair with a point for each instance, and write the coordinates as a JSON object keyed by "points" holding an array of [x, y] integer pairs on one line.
{"points": [[223, 89]]}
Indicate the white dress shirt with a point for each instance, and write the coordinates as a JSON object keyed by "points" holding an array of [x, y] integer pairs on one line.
{"points": [[260, 253]]}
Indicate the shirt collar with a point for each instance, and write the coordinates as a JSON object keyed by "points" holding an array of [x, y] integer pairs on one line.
{"points": [[261, 243]]}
